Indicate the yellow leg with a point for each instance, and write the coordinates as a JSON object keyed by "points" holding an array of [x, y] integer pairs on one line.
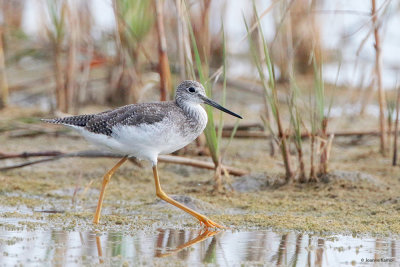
{"points": [[160, 193], [106, 180]]}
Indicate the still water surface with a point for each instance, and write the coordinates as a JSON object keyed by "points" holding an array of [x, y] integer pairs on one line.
{"points": [[171, 247]]}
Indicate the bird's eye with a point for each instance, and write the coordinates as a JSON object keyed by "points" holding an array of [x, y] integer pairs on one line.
{"points": [[192, 90]]}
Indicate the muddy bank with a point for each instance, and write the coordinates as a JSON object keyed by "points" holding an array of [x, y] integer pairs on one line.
{"points": [[359, 196]]}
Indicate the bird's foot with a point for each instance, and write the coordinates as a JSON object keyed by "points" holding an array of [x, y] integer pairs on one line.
{"points": [[207, 223]]}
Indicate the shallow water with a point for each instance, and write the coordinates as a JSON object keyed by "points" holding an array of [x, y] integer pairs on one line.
{"points": [[183, 247]]}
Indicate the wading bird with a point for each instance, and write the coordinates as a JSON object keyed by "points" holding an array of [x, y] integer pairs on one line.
{"points": [[147, 130]]}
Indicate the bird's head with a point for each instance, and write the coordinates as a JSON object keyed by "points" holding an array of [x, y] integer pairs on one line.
{"points": [[192, 92]]}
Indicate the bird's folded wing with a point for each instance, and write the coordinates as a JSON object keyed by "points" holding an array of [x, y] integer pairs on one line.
{"points": [[130, 115]]}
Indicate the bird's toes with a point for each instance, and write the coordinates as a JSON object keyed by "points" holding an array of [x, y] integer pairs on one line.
{"points": [[210, 224]]}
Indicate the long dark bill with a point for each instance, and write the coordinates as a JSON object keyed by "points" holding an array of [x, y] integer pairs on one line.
{"points": [[218, 106]]}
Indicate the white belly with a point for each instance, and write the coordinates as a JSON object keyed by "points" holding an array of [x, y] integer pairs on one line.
{"points": [[147, 141]]}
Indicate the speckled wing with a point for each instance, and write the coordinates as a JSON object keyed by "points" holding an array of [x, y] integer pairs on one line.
{"points": [[130, 115], [79, 121]]}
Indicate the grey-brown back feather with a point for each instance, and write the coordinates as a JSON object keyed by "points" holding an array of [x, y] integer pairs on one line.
{"points": [[135, 114]]}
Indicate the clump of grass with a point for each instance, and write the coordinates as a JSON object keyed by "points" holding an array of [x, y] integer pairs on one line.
{"points": [[270, 94], [319, 122], [209, 132], [213, 138], [296, 122], [319, 118], [219, 183], [318, 108]]}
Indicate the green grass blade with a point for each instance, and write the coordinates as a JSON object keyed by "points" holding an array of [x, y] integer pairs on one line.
{"points": [[223, 100], [235, 127], [210, 133]]}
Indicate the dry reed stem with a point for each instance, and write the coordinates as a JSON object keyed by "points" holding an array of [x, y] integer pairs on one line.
{"points": [[323, 167], [305, 35], [129, 80], [164, 69], [389, 130], [378, 72], [266, 103], [242, 126], [282, 138], [302, 174], [255, 24], [55, 155], [396, 129], [59, 77], [313, 177], [85, 73], [286, 156], [273, 99], [181, 42], [262, 135], [329, 148], [203, 33], [218, 177], [186, 59], [57, 38], [3, 77], [70, 80]]}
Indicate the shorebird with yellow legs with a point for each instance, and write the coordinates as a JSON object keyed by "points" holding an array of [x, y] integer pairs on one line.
{"points": [[147, 130]]}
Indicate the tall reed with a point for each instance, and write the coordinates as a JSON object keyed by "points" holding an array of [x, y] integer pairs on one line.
{"points": [[3, 77], [296, 122], [163, 65], [296, 119], [223, 98], [396, 128], [68, 30], [201, 67], [135, 19], [56, 33], [270, 93], [390, 110], [321, 119], [313, 133], [378, 73], [209, 132], [71, 76]]}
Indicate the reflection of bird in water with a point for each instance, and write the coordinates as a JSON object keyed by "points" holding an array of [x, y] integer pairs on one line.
{"points": [[99, 249], [198, 239], [203, 235], [146, 130]]}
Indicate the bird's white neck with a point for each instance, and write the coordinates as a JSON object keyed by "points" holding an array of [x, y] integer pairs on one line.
{"points": [[194, 111]]}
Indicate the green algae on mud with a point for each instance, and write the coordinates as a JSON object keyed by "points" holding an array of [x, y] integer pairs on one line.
{"points": [[70, 188]]}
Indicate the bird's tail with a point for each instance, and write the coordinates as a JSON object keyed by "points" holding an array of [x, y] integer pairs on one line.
{"points": [[80, 120]]}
